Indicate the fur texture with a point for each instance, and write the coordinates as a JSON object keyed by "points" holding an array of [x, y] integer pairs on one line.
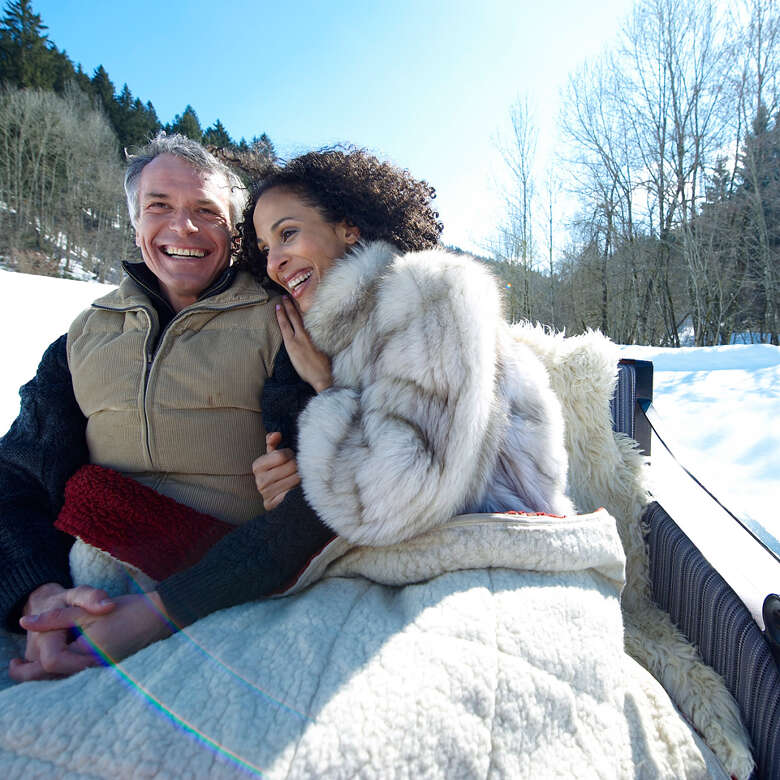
{"points": [[435, 409]]}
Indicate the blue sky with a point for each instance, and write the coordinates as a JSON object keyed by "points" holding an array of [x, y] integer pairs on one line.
{"points": [[427, 84]]}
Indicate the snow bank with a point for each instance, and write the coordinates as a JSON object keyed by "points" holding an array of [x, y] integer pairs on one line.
{"points": [[34, 311], [720, 406]]}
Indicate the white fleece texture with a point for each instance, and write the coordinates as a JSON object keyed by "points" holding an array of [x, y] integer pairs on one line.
{"points": [[480, 672], [607, 470]]}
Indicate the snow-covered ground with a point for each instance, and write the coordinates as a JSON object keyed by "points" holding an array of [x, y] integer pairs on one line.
{"points": [[721, 414], [720, 405]]}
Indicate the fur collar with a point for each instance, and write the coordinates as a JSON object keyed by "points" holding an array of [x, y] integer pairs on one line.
{"points": [[344, 297]]}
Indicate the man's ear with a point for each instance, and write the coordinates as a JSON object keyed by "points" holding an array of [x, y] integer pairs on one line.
{"points": [[137, 239]]}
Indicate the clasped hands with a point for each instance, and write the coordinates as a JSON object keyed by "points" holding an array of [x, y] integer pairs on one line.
{"points": [[110, 629], [276, 472]]}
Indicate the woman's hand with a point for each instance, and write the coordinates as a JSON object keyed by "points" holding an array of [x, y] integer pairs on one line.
{"points": [[276, 472], [312, 365]]}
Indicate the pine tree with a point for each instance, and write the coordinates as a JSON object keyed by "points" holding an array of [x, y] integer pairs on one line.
{"points": [[82, 80], [27, 58], [103, 88], [760, 190], [64, 72], [125, 116], [187, 123], [143, 124], [216, 135], [151, 118], [760, 160], [263, 147]]}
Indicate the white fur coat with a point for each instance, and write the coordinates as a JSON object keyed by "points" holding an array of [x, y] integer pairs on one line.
{"points": [[435, 408]]}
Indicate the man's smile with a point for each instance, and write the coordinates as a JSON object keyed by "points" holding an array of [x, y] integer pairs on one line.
{"points": [[178, 251]]}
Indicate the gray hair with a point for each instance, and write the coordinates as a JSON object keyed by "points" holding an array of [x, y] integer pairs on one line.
{"points": [[191, 151]]}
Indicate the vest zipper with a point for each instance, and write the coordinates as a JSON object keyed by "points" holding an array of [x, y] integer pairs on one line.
{"points": [[150, 355]]}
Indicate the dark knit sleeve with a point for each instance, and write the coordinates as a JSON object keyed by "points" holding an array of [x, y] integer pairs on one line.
{"points": [[284, 397], [258, 559], [45, 445]]}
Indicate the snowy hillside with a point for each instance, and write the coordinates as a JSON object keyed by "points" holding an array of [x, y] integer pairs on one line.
{"points": [[721, 405], [34, 310]]}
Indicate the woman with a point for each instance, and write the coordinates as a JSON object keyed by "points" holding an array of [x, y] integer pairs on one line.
{"points": [[431, 408]]}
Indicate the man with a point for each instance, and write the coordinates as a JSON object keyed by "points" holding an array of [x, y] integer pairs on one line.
{"points": [[161, 380]]}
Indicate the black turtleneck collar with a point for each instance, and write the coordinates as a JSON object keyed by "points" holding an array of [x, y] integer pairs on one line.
{"points": [[143, 276]]}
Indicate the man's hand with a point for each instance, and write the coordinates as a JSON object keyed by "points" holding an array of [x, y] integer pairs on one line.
{"points": [[276, 472], [49, 655], [135, 622], [312, 365]]}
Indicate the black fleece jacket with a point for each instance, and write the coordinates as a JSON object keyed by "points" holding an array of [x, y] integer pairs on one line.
{"points": [[47, 444], [44, 446]]}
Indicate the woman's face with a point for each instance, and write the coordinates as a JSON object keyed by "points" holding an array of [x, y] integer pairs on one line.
{"points": [[300, 244]]}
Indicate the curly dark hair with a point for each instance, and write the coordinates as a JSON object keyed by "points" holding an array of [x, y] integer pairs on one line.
{"points": [[383, 201]]}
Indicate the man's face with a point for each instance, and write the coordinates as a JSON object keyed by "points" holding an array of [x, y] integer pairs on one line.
{"points": [[183, 227]]}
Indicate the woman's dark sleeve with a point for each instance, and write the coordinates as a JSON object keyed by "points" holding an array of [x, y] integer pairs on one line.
{"points": [[285, 395], [258, 559], [266, 554], [45, 445]]}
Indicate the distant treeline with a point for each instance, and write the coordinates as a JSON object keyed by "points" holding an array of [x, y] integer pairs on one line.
{"points": [[62, 138], [672, 157]]}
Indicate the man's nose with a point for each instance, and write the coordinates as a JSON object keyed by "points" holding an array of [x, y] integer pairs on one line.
{"points": [[182, 221]]}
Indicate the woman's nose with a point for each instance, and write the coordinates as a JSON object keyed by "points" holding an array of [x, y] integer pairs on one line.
{"points": [[276, 260]]}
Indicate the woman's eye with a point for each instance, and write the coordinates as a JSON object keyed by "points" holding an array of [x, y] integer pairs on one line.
{"points": [[287, 234]]}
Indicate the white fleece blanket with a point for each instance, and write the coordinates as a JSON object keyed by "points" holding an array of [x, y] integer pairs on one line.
{"points": [[512, 671]]}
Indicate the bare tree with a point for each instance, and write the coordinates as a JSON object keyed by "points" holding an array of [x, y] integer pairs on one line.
{"points": [[757, 99], [61, 181], [516, 243], [647, 124], [552, 188]]}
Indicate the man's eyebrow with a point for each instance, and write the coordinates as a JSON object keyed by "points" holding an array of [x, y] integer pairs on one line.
{"points": [[165, 196]]}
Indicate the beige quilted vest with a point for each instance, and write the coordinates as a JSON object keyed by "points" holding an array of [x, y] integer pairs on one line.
{"points": [[186, 420]]}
